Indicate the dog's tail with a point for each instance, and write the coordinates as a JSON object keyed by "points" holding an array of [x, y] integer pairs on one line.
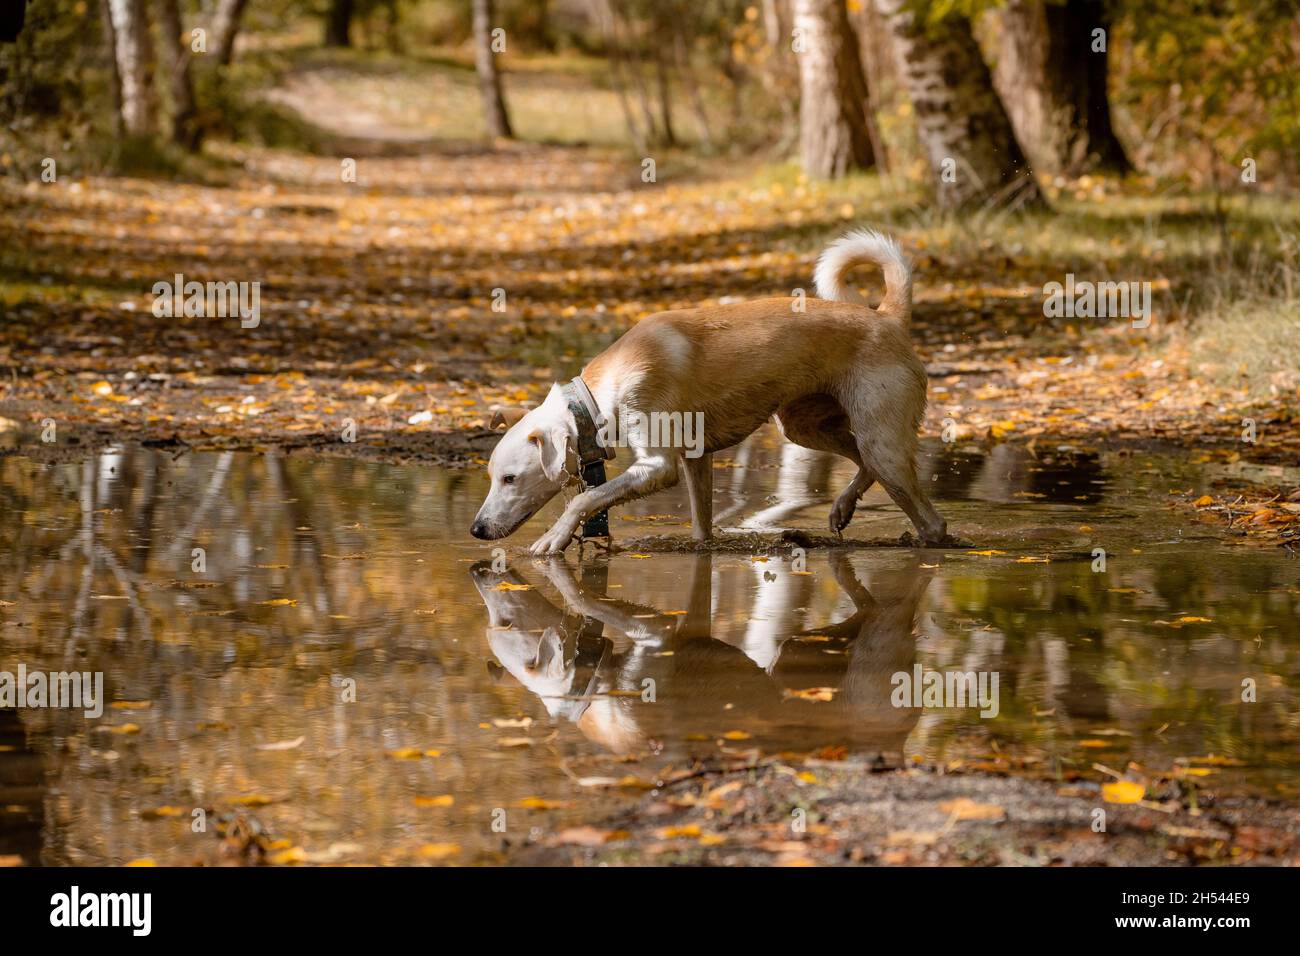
{"points": [[866, 245]]}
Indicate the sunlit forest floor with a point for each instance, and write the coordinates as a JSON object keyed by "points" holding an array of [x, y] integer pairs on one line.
{"points": [[377, 297]]}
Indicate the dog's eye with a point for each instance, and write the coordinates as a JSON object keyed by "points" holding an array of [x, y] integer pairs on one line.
{"points": [[508, 479]]}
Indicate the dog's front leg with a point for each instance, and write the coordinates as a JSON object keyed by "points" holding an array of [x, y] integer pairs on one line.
{"points": [[653, 470]]}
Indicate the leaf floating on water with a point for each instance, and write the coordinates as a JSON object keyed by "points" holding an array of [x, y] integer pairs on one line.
{"points": [[159, 813], [1123, 791], [289, 857], [539, 803], [122, 729], [278, 602], [597, 781], [445, 800], [1184, 621], [988, 553], [146, 861], [516, 741], [824, 694], [131, 704], [283, 744], [1030, 559], [426, 612], [406, 753], [508, 586], [438, 851], [252, 800], [736, 735]]}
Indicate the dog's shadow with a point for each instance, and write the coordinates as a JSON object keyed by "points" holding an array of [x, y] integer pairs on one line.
{"points": [[629, 675]]}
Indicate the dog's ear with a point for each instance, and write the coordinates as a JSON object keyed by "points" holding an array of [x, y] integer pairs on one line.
{"points": [[553, 445], [505, 416]]}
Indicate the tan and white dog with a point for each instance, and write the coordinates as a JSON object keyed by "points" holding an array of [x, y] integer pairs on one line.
{"points": [[838, 375]]}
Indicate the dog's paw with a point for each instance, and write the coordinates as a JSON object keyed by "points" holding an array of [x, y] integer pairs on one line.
{"points": [[841, 515], [553, 542]]}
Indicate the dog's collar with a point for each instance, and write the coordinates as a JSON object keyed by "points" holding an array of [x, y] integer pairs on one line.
{"points": [[586, 415], [592, 455]]}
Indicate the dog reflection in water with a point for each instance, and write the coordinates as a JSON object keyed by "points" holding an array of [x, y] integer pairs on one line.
{"points": [[627, 674]]}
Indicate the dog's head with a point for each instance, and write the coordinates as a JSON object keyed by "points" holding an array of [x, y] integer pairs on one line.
{"points": [[526, 634], [527, 468]]}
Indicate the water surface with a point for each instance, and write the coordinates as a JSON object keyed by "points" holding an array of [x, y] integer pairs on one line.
{"points": [[353, 672]]}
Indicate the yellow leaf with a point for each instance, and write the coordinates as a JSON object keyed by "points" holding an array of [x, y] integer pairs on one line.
{"points": [[537, 803], [446, 800], [252, 800], [1122, 791], [406, 753], [439, 851], [278, 602]]}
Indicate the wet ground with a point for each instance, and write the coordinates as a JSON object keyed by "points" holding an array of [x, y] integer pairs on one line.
{"points": [[312, 661]]}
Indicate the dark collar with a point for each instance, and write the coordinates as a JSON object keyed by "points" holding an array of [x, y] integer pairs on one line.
{"points": [[587, 416]]}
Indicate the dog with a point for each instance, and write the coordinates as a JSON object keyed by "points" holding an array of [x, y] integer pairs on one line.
{"points": [[838, 376]]}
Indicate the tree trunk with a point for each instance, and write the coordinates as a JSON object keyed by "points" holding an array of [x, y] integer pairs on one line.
{"points": [[131, 52], [229, 15], [338, 27], [662, 46], [1054, 85], [960, 121], [114, 78], [489, 78], [833, 103], [176, 60]]}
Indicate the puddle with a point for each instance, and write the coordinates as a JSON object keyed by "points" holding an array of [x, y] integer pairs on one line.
{"points": [[370, 684]]}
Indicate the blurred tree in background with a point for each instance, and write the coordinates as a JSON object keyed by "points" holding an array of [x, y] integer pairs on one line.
{"points": [[967, 95]]}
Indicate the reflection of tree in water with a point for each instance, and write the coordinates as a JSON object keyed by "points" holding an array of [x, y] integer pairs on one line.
{"points": [[99, 562], [22, 793], [1011, 472]]}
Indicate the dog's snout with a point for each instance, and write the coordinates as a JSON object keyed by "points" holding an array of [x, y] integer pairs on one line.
{"points": [[479, 530]]}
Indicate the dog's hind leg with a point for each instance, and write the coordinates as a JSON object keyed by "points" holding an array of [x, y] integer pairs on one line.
{"points": [[699, 484], [820, 422], [885, 415]]}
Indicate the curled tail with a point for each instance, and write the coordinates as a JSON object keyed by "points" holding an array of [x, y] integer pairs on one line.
{"points": [[866, 245]]}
